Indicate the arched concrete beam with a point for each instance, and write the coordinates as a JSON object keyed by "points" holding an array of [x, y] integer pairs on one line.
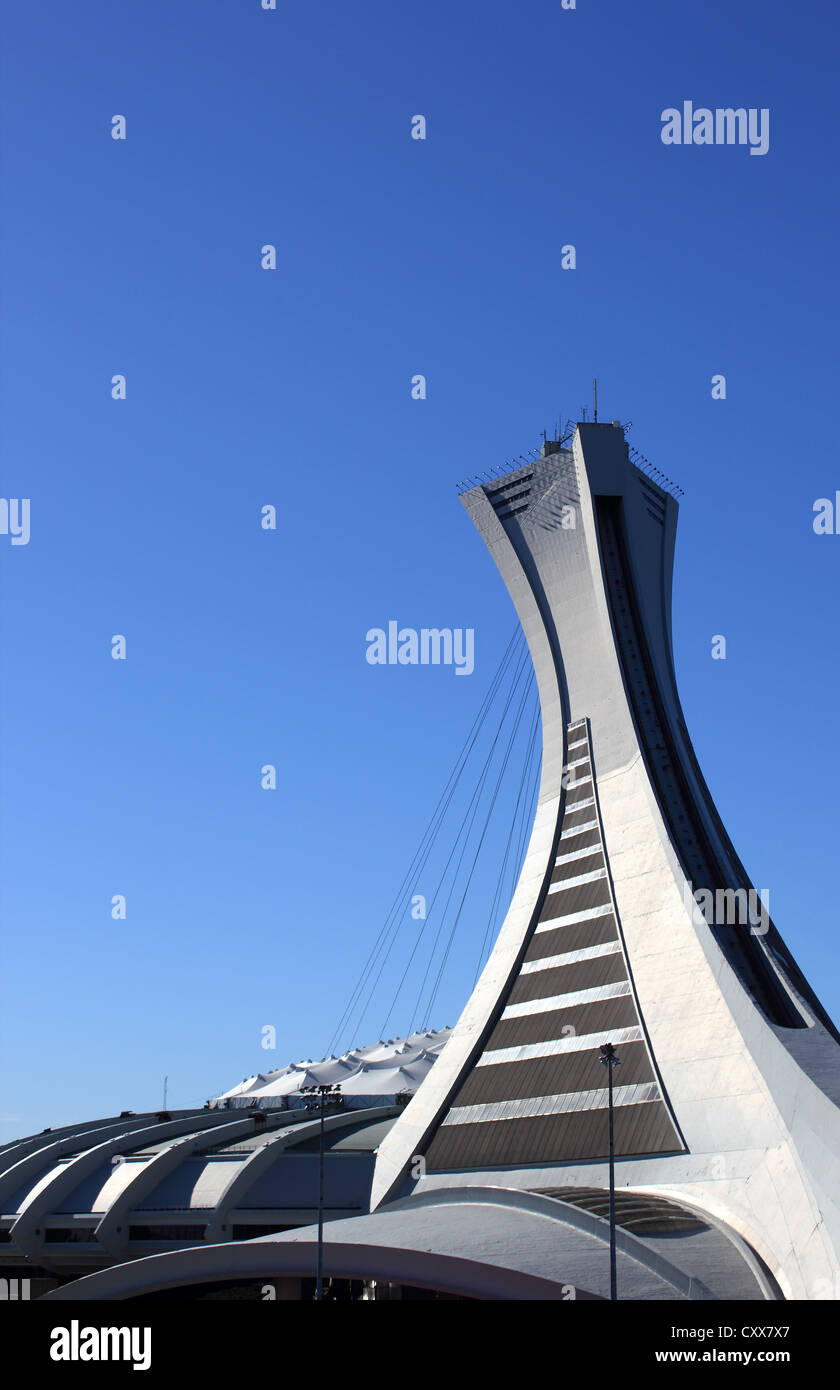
{"points": [[28, 1230], [240, 1183]]}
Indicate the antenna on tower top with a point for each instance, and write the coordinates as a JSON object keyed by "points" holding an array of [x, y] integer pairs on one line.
{"points": [[595, 399]]}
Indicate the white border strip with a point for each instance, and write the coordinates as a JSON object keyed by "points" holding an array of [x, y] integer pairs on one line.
{"points": [[588, 914], [558, 1047], [643, 1093], [578, 996], [605, 948], [577, 854], [579, 829], [564, 883]]}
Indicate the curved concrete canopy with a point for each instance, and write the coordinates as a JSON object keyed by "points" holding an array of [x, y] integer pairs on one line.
{"points": [[528, 1247]]}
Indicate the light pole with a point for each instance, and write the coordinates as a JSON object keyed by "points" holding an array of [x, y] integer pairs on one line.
{"points": [[610, 1060], [324, 1094]]}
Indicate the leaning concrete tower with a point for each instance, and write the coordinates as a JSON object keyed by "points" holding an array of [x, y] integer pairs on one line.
{"points": [[633, 922]]}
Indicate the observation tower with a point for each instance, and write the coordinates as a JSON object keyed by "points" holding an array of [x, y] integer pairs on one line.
{"points": [[633, 921]]}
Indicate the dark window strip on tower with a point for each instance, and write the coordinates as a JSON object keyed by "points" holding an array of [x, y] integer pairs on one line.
{"points": [[537, 1092]]}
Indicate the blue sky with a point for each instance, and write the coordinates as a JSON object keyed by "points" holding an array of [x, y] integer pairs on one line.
{"points": [[247, 387]]}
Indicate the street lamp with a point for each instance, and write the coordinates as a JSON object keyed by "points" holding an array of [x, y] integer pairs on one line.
{"points": [[610, 1060], [321, 1097]]}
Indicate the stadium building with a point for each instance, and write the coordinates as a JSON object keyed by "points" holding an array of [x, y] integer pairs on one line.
{"points": [[491, 1182]]}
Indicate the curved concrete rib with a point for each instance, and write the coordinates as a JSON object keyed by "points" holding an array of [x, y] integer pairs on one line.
{"points": [[42, 1157], [237, 1187], [113, 1229], [28, 1230], [17, 1149]]}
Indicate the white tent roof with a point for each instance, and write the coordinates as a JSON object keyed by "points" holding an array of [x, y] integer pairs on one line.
{"points": [[385, 1068]]}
